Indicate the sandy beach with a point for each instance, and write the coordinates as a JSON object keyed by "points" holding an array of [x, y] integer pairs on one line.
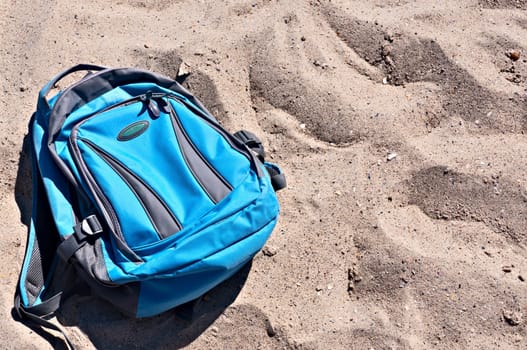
{"points": [[400, 126]]}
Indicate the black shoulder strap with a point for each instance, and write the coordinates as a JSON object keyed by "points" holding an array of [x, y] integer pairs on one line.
{"points": [[253, 143], [41, 292], [277, 176]]}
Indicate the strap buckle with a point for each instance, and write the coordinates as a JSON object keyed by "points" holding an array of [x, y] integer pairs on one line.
{"points": [[91, 226]]}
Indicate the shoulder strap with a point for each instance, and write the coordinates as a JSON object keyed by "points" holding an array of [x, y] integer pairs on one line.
{"points": [[39, 314], [38, 293], [254, 144]]}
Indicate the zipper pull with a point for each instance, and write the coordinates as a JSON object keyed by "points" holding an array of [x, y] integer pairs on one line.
{"points": [[151, 104], [153, 108], [163, 105]]}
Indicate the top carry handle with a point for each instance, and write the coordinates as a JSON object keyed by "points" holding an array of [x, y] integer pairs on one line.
{"points": [[43, 101], [101, 82]]}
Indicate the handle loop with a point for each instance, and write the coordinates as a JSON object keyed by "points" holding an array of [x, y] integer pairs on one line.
{"points": [[42, 100]]}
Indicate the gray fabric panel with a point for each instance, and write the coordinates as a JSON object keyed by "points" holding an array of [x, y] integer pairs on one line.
{"points": [[212, 183], [93, 271], [163, 220]]}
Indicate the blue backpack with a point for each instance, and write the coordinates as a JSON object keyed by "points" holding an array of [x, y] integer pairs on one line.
{"points": [[140, 193]]}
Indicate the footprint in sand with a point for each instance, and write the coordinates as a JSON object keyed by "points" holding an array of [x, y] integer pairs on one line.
{"points": [[280, 83], [409, 59], [416, 286], [446, 194], [331, 107], [503, 4]]}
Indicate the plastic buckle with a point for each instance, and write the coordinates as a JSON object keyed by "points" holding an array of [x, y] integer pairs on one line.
{"points": [[91, 226]]}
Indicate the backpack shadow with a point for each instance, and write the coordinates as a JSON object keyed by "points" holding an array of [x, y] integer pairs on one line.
{"points": [[107, 328], [23, 185]]}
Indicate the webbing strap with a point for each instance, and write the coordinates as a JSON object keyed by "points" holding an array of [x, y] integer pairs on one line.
{"points": [[89, 227], [277, 177], [39, 314], [254, 144]]}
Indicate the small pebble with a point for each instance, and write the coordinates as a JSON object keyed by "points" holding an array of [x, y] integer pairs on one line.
{"points": [[506, 269], [271, 332], [391, 156], [302, 126], [513, 318], [269, 250], [514, 55], [184, 69]]}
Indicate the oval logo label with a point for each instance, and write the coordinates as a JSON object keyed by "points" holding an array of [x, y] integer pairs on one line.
{"points": [[133, 130]]}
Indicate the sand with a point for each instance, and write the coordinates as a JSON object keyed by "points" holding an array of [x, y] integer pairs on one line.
{"points": [[426, 250]]}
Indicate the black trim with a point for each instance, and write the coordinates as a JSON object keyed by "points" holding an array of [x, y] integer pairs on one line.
{"points": [[253, 142]]}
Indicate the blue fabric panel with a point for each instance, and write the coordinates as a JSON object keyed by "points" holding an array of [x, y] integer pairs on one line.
{"points": [[56, 185], [241, 197], [138, 228], [61, 143], [154, 156], [204, 241], [233, 166], [158, 295]]}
